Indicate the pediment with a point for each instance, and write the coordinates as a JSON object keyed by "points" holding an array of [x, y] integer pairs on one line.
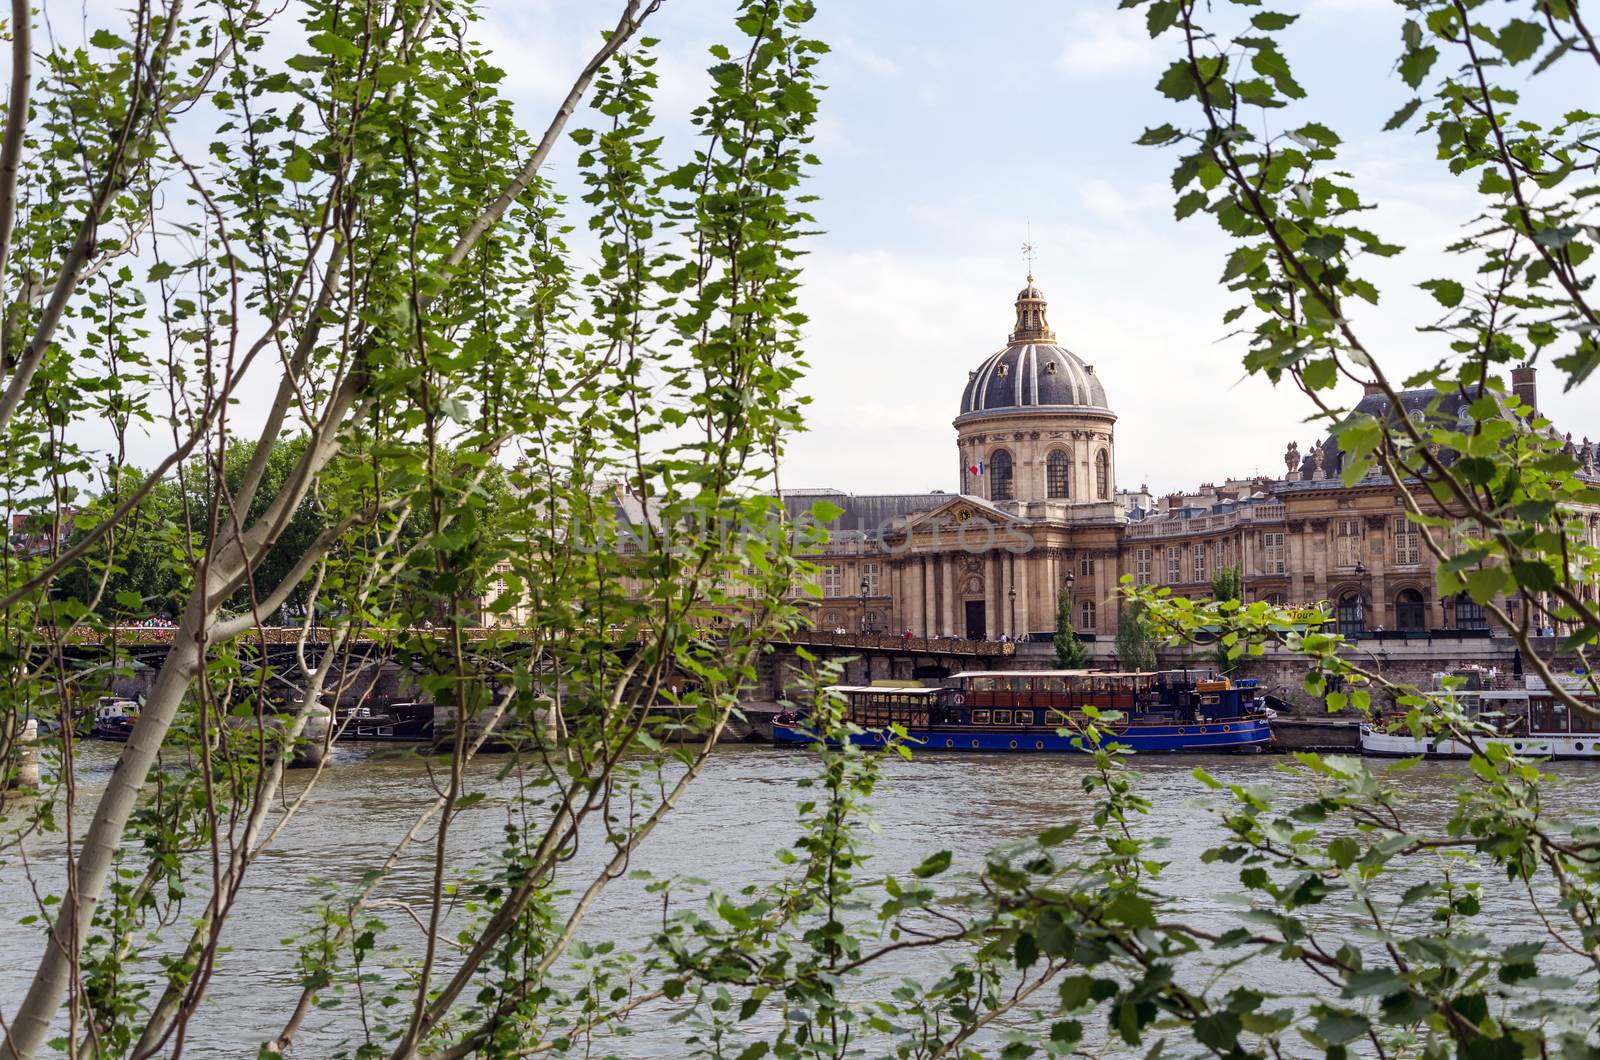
{"points": [[959, 511]]}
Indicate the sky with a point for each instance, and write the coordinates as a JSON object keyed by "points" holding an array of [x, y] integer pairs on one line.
{"points": [[950, 130]]}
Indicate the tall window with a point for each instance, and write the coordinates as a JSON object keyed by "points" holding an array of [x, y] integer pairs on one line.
{"points": [[1174, 564], [1102, 475], [831, 579], [869, 575], [1200, 563], [1348, 537], [1410, 611], [1086, 623], [1086, 565], [1350, 615], [1407, 543], [1000, 476], [1141, 566], [1469, 613], [1056, 468], [1272, 545]]}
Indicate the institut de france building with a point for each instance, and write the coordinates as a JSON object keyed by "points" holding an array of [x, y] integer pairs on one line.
{"points": [[1037, 510]]}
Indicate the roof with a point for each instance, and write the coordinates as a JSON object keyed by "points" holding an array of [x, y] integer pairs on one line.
{"points": [[893, 690], [866, 512], [1030, 375]]}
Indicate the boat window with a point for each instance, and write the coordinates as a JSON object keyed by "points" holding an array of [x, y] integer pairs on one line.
{"points": [[982, 684], [1022, 684], [1056, 718], [1002, 717], [1023, 717], [980, 717]]}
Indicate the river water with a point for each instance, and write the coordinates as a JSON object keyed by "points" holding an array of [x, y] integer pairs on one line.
{"points": [[727, 829]]}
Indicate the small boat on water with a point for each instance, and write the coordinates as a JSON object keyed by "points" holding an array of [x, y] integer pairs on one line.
{"points": [[1043, 710], [114, 719], [395, 723], [1529, 721]]}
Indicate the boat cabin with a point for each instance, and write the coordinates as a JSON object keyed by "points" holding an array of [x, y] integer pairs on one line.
{"points": [[878, 707], [1178, 691]]}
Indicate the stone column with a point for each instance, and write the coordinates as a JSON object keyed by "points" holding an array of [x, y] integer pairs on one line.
{"points": [[952, 613], [930, 598], [1023, 595], [992, 592], [914, 593]]}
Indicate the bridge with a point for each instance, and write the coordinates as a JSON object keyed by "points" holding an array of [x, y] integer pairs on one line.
{"points": [[867, 656], [161, 636]]}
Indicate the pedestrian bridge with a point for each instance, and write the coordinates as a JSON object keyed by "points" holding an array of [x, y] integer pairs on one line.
{"points": [[877, 643]]}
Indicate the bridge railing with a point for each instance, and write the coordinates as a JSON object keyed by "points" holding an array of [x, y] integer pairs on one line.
{"points": [[150, 636], [884, 642]]}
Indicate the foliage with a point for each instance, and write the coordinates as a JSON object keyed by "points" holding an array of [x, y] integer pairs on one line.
{"points": [[1136, 647], [465, 407], [1070, 652], [1226, 584]]}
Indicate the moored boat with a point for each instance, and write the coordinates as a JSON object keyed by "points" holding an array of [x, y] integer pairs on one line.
{"points": [[1528, 721], [114, 718], [395, 723], [1044, 710]]}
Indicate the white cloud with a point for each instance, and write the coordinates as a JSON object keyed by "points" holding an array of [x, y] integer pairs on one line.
{"points": [[1106, 43], [864, 56]]}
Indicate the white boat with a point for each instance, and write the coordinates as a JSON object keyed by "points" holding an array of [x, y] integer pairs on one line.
{"points": [[1528, 721]]}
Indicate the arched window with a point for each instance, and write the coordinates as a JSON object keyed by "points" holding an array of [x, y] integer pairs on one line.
{"points": [[1102, 476], [1410, 611], [1000, 476], [1350, 615], [1056, 471]]}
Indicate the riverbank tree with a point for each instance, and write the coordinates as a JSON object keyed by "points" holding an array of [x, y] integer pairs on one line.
{"points": [[368, 220]]}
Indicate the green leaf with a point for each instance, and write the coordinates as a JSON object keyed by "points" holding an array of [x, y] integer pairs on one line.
{"points": [[1414, 65], [1520, 39], [1401, 116], [1177, 83], [1320, 374], [298, 168], [933, 864], [1338, 1027], [1132, 910], [1271, 20], [1447, 293]]}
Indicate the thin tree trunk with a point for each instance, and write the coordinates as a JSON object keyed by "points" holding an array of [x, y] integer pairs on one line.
{"points": [[100, 844], [16, 127]]}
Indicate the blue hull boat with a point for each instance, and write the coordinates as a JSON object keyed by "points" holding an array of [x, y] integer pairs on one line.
{"points": [[1044, 711]]}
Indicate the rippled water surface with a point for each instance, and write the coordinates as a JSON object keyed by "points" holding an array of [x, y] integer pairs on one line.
{"points": [[726, 829]]}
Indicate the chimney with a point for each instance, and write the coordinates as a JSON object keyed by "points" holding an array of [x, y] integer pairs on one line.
{"points": [[1372, 388], [1524, 385]]}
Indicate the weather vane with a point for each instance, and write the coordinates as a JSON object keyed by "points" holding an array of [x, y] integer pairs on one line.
{"points": [[1028, 251]]}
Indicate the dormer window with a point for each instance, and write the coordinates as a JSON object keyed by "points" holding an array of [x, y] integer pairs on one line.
{"points": [[1049, 368], [1002, 371]]}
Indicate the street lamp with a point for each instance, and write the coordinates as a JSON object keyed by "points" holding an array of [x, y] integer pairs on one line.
{"points": [[862, 626], [1011, 594]]}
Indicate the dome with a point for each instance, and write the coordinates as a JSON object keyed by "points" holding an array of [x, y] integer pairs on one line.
{"points": [[1032, 370], [1028, 374]]}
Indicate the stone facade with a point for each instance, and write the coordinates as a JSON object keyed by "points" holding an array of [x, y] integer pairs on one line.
{"points": [[1039, 513]]}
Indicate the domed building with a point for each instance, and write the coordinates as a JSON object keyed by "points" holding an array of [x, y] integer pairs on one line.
{"points": [[1036, 511], [1037, 514], [1035, 424]]}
